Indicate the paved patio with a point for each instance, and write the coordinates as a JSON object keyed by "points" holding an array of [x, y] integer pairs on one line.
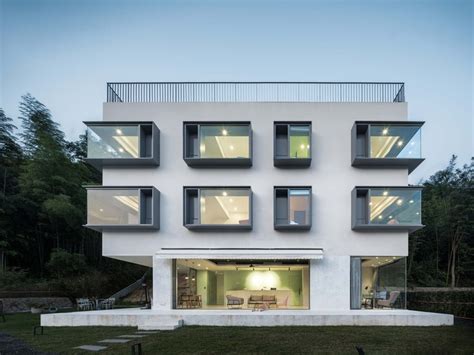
{"points": [[172, 319]]}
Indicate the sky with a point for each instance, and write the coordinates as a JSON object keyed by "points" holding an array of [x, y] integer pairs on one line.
{"points": [[64, 52]]}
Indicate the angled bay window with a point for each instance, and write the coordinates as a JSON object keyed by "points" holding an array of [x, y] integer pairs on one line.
{"points": [[218, 208], [217, 144], [123, 208], [386, 208], [387, 144], [123, 143], [292, 208], [292, 144]]}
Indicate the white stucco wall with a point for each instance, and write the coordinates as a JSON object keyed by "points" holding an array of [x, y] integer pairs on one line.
{"points": [[330, 175]]}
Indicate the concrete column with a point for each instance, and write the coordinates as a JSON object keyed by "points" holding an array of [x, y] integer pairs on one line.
{"points": [[330, 283], [162, 284]]}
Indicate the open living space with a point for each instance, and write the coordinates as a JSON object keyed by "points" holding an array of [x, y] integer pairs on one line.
{"points": [[258, 204]]}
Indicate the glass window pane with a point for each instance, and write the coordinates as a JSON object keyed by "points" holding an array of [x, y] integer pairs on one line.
{"points": [[299, 206], [299, 142], [110, 206], [225, 206], [224, 141], [395, 206], [112, 142], [395, 141], [383, 282]]}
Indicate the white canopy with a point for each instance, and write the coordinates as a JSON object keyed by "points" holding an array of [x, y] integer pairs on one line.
{"points": [[240, 253]]}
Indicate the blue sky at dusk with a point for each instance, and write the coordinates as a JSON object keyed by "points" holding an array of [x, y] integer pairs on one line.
{"points": [[64, 51]]}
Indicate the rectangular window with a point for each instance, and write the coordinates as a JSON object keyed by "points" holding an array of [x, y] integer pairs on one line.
{"points": [[292, 208], [217, 144], [122, 144], [378, 282], [292, 144], [384, 208], [395, 206], [115, 142], [242, 284], [386, 144], [395, 141], [218, 208], [115, 207]]}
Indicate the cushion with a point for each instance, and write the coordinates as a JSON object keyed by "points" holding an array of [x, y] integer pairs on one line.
{"points": [[268, 298], [256, 298]]}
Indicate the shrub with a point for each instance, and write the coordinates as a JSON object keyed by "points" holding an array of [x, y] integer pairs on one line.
{"points": [[63, 264]]}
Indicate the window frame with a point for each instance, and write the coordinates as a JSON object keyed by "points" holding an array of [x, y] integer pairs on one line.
{"points": [[215, 227], [155, 210], [152, 160], [288, 226], [287, 160], [198, 162]]}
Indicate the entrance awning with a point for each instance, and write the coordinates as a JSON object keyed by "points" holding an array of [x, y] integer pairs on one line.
{"points": [[240, 253]]}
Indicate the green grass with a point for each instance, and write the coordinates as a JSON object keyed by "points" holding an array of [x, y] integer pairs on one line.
{"points": [[245, 340]]}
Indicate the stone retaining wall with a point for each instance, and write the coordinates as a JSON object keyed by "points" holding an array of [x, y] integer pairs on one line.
{"points": [[23, 304]]}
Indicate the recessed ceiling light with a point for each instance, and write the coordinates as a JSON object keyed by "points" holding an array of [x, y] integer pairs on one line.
{"points": [[302, 146], [399, 202], [400, 143], [380, 216], [390, 217], [101, 209], [370, 203], [417, 213], [199, 264], [207, 268], [118, 131], [224, 193], [224, 132], [307, 147], [231, 147], [202, 148], [121, 150], [231, 200], [385, 131], [385, 193], [411, 201]]}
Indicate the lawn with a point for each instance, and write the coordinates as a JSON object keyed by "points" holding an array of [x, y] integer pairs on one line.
{"points": [[240, 340]]}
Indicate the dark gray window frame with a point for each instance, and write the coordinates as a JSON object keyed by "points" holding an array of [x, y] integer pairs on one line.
{"points": [[155, 211], [198, 162], [213, 227], [287, 226], [287, 161], [359, 219], [153, 160], [360, 154]]}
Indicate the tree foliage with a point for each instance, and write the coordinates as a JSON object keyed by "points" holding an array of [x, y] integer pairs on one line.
{"points": [[442, 253]]}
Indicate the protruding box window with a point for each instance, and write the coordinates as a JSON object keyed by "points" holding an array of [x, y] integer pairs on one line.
{"points": [[123, 144], [218, 144], [116, 208], [386, 208], [387, 144], [292, 208], [218, 208], [292, 144]]}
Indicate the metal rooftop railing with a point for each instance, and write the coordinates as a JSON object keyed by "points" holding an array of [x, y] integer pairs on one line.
{"points": [[256, 92]]}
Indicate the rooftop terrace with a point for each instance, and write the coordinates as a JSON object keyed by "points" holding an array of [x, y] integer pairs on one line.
{"points": [[256, 92]]}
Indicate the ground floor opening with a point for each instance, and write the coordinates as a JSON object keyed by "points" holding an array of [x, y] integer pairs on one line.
{"points": [[256, 284], [378, 282]]}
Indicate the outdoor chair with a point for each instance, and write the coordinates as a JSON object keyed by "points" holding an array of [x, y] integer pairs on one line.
{"points": [[107, 303], [390, 301], [234, 302]]}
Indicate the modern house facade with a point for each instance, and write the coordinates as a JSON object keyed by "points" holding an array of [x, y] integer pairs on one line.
{"points": [[260, 196]]}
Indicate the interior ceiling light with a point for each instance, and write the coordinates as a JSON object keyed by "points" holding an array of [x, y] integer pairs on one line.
{"points": [[231, 147], [399, 202], [385, 131], [385, 193], [118, 131], [400, 143], [129, 143], [130, 201], [224, 132], [224, 193]]}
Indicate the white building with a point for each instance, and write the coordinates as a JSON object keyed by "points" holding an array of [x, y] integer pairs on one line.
{"points": [[291, 198]]}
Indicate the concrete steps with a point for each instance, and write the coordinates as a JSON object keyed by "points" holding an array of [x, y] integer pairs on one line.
{"points": [[160, 323]]}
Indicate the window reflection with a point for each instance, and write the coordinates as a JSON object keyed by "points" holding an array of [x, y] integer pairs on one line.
{"points": [[299, 141], [112, 142], [395, 206], [225, 206], [229, 141], [395, 141], [110, 206]]}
